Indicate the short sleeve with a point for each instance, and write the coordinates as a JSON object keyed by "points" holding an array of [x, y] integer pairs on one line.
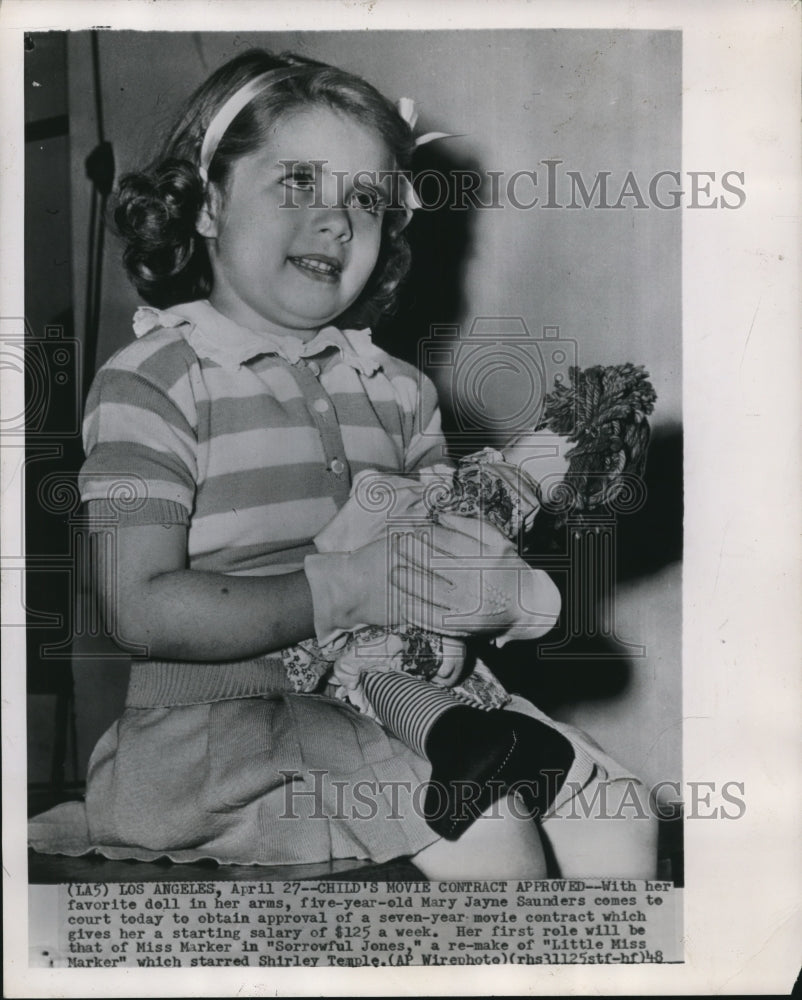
{"points": [[141, 450], [427, 443]]}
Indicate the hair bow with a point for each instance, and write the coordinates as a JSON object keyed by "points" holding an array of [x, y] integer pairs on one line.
{"points": [[406, 109]]}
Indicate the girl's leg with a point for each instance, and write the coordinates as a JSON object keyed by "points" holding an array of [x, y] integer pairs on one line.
{"points": [[599, 827], [608, 831], [500, 844]]}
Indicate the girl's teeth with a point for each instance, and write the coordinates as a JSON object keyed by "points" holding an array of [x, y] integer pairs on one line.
{"points": [[317, 265]]}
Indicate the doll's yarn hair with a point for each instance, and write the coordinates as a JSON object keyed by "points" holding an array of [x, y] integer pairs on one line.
{"points": [[156, 208], [603, 410]]}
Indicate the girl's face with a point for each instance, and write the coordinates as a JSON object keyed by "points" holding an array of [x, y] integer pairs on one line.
{"points": [[295, 236]]}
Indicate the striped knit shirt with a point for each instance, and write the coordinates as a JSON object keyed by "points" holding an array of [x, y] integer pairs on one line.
{"points": [[250, 440]]}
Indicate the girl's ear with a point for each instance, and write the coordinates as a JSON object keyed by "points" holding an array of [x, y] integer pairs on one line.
{"points": [[206, 224]]}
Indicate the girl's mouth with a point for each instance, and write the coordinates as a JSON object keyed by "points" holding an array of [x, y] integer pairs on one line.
{"points": [[318, 267]]}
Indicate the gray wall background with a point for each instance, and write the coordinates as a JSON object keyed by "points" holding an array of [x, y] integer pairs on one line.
{"points": [[597, 100]]}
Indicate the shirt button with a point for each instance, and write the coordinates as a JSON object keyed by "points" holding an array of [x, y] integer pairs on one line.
{"points": [[337, 467], [320, 405], [313, 367]]}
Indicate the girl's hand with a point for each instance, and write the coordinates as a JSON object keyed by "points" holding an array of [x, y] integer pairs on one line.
{"points": [[393, 581], [486, 588]]}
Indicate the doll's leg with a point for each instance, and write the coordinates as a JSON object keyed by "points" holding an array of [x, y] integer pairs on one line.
{"points": [[477, 756], [407, 706]]}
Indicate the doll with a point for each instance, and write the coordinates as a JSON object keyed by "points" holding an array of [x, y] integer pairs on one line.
{"points": [[602, 413]]}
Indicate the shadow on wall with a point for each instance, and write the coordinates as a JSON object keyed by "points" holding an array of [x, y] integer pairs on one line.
{"points": [[590, 667], [651, 538], [598, 667], [441, 241]]}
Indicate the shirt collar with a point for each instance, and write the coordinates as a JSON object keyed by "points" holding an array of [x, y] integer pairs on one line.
{"points": [[214, 336]]}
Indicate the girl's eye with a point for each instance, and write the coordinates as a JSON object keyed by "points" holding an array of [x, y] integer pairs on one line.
{"points": [[301, 178], [368, 201]]}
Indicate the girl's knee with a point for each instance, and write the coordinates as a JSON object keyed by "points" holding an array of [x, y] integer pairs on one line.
{"points": [[609, 831], [503, 843]]}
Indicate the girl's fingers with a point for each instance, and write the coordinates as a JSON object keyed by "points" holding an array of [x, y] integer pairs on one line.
{"points": [[423, 571], [449, 586], [448, 541], [465, 536], [424, 606], [418, 588], [454, 613], [454, 599], [417, 556]]}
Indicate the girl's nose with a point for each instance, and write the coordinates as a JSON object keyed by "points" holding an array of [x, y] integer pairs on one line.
{"points": [[336, 221], [331, 214]]}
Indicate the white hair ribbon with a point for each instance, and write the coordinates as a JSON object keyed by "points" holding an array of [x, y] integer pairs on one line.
{"points": [[225, 115], [406, 108]]}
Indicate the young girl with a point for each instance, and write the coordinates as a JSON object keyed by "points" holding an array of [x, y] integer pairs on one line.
{"points": [[239, 418]]}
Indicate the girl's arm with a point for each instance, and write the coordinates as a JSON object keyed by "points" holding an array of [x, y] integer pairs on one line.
{"points": [[152, 599], [184, 614]]}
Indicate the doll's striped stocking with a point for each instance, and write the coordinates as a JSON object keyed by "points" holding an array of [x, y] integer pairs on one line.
{"points": [[407, 706]]}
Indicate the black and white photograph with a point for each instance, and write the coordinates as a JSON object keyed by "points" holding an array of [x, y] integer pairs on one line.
{"points": [[379, 579]]}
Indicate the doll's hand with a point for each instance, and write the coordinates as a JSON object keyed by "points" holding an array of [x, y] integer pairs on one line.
{"points": [[368, 650], [347, 670], [450, 670]]}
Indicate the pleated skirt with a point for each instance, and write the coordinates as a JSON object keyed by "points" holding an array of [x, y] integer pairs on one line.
{"points": [[217, 761], [275, 779]]}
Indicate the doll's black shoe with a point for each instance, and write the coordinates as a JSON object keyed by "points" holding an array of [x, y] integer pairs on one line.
{"points": [[477, 757]]}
